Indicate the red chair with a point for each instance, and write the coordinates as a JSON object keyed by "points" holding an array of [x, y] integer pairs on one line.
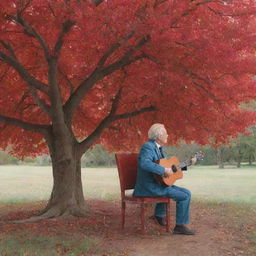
{"points": [[127, 169]]}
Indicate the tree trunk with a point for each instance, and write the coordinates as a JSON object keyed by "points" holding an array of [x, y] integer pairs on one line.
{"points": [[220, 157], [250, 160], [67, 194], [238, 164], [239, 159]]}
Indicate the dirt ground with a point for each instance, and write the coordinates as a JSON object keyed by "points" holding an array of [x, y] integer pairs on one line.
{"points": [[213, 236]]}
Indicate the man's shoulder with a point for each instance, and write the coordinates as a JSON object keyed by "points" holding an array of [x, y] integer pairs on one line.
{"points": [[149, 144]]}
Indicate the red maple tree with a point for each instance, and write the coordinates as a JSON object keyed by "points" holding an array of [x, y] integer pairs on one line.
{"points": [[74, 73]]}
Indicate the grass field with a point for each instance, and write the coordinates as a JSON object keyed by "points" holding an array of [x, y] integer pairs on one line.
{"points": [[33, 183]]}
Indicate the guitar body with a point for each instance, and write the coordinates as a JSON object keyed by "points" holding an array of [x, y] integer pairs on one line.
{"points": [[176, 166], [167, 163]]}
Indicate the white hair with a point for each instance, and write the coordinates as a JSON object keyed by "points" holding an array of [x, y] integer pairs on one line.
{"points": [[155, 131]]}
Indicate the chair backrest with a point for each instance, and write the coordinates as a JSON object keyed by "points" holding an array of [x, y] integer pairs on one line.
{"points": [[127, 164]]}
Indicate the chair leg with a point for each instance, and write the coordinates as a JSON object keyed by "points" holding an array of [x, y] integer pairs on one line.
{"points": [[142, 218], [123, 214], [168, 217]]}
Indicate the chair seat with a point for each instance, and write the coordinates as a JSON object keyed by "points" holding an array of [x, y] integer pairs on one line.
{"points": [[137, 199]]}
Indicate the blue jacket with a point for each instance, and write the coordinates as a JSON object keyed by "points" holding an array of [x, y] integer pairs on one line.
{"points": [[145, 183]]}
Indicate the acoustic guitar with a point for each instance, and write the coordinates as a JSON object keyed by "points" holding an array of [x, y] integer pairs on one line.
{"points": [[176, 166]]}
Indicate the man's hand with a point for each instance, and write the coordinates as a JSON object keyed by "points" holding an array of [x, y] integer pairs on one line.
{"points": [[168, 172]]}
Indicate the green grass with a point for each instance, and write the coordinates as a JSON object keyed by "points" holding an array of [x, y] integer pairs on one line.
{"points": [[22, 244], [221, 185], [33, 183]]}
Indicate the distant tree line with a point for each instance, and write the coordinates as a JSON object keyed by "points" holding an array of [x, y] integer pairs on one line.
{"points": [[241, 150], [95, 157]]}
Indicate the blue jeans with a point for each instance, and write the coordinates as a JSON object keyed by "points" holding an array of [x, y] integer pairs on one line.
{"points": [[182, 196]]}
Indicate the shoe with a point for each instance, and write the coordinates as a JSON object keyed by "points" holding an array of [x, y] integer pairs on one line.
{"points": [[160, 220], [183, 230]]}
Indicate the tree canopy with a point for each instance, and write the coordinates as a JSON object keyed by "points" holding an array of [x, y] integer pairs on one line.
{"points": [[123, 65]]}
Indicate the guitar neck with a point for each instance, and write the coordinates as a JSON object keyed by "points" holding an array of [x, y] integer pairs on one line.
{"points": [[184, 164], [198, 156]]}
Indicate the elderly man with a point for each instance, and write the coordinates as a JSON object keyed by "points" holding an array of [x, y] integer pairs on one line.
{"points": [[150, 152]]}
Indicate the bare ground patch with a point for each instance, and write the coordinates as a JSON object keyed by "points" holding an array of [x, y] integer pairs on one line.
{"points": [[223, 230]]}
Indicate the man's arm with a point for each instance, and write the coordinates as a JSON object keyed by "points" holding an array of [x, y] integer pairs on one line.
{"points": [[146, 161]]}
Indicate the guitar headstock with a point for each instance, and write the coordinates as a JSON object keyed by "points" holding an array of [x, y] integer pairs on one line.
{"points": [[199, 155]]}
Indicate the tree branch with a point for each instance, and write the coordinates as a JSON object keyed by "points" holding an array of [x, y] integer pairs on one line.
{"points": [[74, 100], [158, 2], [33, 83], [97, 2], [39, 128], [207, 92], [40, 102], [113, 48], [54, 94], [100, 73], [115, 102], [189, 10], [19, 104], [9, 48], [86, 143], [30, 31], [4, 74], [231, 15], [126, 59], [142, 42], [134, 113], [122, 63], [23, 73], [151, 58], [190, 72], [24, 6], [66, 27], [71, 86]]}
